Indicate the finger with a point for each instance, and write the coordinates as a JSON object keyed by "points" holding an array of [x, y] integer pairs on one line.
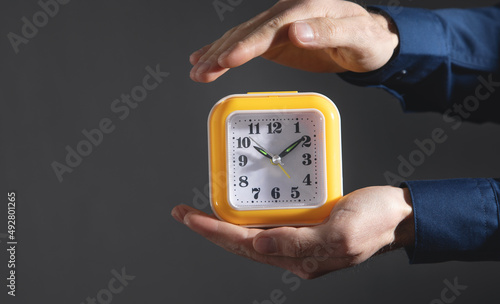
{"points": [[180, 211], [207, 72], [293, 242], [252, 40], [237, 33], [195, 56], [231, 237], [238, 240], [207, 63], [274, 31], [208, 68], [201, 62], [265, 37]]}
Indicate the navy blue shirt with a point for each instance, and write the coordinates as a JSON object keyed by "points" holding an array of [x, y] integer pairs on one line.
{"points": [[448, 61]]}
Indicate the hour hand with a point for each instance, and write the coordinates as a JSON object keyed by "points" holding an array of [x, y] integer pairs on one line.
{"points": [[263, 152], [291, 147]]}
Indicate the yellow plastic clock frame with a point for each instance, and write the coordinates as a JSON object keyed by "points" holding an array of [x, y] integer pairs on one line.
{"points": [[218, 153]]}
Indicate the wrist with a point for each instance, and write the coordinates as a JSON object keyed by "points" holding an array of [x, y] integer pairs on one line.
{"points": [[404, 234], [387, 25]]}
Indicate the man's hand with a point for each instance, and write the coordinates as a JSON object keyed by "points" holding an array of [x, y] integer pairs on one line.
{"points": [[311, 35], [363, 223]]}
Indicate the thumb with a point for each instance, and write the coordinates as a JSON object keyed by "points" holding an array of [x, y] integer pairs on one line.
{"points": [[320, 33], [358, 44], [291, 242]]}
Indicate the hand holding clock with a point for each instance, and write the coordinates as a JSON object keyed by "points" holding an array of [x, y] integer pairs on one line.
{"points": [[363, 223], [317, 36]]}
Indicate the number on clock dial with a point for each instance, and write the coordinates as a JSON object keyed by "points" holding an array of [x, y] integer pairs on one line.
{"points": [[243, 142], [243, 160], [307, 141], [275, 192], [256, 191], [297, 127], [274, 128], [243, 181], [307, 159], [307, 180], [252, 126]]}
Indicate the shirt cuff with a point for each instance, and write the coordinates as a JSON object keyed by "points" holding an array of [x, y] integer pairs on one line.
{"points": [[455, 219], [422, 49]]}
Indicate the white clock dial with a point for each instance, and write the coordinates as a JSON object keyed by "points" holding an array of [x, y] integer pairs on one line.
{"points": [[276, 159]]}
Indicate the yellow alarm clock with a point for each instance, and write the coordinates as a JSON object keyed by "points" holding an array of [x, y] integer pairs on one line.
{"points": [[275, 158]]}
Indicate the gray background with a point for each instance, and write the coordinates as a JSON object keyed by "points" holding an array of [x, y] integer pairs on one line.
{"points": [[113, 211]]}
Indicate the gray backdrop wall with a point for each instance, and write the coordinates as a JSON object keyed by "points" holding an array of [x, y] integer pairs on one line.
{"points": [[113, 210]]}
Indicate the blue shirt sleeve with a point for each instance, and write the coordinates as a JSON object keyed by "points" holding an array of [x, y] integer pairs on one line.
{"points": [[455, 219], [448, 61], [445, 58]]}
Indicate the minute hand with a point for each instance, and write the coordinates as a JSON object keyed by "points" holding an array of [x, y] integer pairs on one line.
{"points": [[291, 147]]}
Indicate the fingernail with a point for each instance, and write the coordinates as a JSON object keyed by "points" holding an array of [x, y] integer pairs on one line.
{"points": [[176, 216], [203, 68], [191, 58], [224, 55], [266, 245], [186, 218], [179, 213], [304, 32]]}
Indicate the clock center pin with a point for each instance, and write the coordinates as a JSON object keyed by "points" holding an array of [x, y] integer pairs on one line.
{"points": [[276, 160]]}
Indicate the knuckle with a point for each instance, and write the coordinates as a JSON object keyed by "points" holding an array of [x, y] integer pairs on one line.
{"points": [[229, 33], [241, 47], [295, 244], [275, 23], [299, 247], [246, 25], [331, 28]]}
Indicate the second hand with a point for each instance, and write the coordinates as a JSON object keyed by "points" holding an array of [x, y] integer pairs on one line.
{"points": [[284, 170]]}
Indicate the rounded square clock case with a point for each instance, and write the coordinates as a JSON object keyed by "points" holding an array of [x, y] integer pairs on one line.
{"points": [[275, 158]]}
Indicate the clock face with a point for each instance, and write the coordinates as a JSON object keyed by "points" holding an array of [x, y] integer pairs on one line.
{"points": [[276, 159]]}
